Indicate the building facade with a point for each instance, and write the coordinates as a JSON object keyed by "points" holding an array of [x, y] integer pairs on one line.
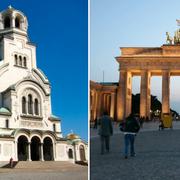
{"points": [[28, 129]]}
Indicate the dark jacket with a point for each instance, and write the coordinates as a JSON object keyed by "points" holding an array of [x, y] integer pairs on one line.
{"points": [[132, 125], [105, 128]]}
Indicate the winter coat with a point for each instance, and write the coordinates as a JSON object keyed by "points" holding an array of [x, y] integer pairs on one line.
{"points": [[105, 128], [132, 125]]}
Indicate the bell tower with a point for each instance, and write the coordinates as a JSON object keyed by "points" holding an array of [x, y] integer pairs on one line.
{"points": [[16, 50], [13, 21]]}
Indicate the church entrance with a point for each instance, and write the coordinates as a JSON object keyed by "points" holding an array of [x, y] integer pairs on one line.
{"points": [[82, 153], [22, 148], [48, 149], [35, 149]]}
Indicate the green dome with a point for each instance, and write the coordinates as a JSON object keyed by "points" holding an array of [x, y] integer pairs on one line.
{"points": [[53, 116], [4, 110]]}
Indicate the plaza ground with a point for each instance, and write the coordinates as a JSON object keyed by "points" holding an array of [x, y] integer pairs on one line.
{"points": [[45, 171], [157, 155]]}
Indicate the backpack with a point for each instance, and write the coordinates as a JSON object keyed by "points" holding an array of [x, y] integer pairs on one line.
{"points": [[136, 126]]}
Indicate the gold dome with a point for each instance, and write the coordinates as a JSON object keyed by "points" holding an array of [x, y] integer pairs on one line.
{"points": [[72, 136]]}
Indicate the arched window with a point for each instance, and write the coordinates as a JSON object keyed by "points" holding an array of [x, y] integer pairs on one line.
{"points": [[7, 123], [30, 104], [20, 60], [24, 105], [70, 154], [54, 127], [16, 59], [36, 107], [24, 62], [17, 22], [7, 22]]}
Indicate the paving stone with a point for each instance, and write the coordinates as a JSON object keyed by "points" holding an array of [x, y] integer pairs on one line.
{"points": [[157, 156]]}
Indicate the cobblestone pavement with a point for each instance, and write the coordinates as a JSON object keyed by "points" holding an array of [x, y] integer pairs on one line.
{"points": [[157, 157], [67, 172], [150, 126]]}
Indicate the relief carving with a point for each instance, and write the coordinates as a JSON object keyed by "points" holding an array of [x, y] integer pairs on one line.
{"points": [[31, 124]]}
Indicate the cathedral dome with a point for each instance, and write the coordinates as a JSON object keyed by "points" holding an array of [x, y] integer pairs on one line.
{"points": [[4, 110], [72, 136]]}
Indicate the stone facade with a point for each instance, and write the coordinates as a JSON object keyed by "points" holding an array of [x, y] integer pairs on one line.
{"points": [[28, 129], [144, 62], [102, 97]]}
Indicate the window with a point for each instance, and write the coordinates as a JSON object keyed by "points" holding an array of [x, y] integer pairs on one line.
{"points": [[20, 60], [7, 22], [17, 22], [7, 123], [16, 59], [24, 105], [30, 104], [70, 154], [36, 108], [54, 127], [24, 62]]}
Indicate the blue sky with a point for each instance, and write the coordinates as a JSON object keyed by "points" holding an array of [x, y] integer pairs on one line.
{"points": [[59, 29], [130, 23]]}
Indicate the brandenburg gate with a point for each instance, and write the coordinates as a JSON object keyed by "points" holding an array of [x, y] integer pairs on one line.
{"points": [[138, 61], [147, 62]]}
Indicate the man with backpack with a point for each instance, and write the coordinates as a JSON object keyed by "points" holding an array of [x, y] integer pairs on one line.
{"points": [[131, 127]]}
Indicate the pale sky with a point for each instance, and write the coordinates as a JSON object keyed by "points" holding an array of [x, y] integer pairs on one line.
{"points": [[131, 23]]}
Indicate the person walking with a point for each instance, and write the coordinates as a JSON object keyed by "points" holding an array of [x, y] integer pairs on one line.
{"points": [[105, 131], [132, 127]]}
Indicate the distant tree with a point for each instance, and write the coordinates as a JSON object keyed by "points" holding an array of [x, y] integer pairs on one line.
{"points": [[155, 104]]}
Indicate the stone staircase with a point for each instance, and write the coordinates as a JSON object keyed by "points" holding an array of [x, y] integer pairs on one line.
{"points": [[44, 165]]}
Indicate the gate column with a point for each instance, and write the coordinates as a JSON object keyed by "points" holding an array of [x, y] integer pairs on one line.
{"points": [[124, 95], [165, 91], [112, 104], [99, 104], [145, 95]]}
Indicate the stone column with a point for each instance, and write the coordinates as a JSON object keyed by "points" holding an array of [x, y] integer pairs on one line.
{"points": [[91, 105], [120, 96], [16, 150], [128, 94], [124, 95], [29, 151], [75, 156], [12, 21], [145, 95], [95, 104], [105, 102], [112, 105], [165, 91], [41, 150], [99, 104], [54, 151], [108, 104]]}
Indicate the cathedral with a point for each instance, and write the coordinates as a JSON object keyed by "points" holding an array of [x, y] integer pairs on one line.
{"points": [[28, 129]]}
